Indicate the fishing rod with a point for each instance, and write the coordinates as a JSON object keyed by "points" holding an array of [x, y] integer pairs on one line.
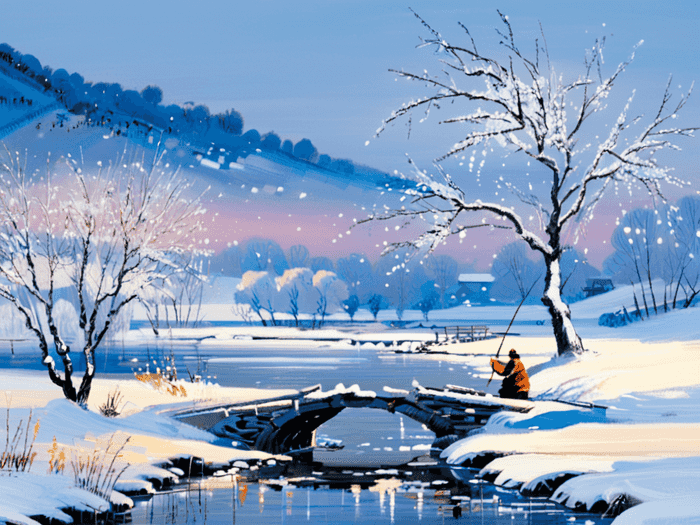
{"points": [[511, 324]]}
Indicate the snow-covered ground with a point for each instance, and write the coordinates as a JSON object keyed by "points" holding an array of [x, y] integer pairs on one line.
{"points": [[153, 442], [643, 451]]}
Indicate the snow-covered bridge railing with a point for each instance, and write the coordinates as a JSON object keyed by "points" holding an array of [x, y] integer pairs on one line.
{"points": [[466, 333], [12, 342], [287, 424]]}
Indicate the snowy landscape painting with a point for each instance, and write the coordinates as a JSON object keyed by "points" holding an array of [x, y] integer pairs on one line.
{"points": [[349, 262]]}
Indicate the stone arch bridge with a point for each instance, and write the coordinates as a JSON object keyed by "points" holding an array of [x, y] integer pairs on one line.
{"points": [[287, 424]]}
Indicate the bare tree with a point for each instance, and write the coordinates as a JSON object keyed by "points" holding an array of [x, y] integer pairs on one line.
{"points": [[515, 273], [685, 221], [680, 245], [399, 281], [296, 293], [444, 271], [109, 236], [638, 242], [258, 289], [525, 108], [184, 291], [356, 271], [181, 295], [331, 293]]}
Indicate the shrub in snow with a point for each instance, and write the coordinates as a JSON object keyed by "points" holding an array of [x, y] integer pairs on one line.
{"points": [[112, 407], [351, 305], [515, 273], [98, 470], [619, 318], [375, 303], [18, 454]]}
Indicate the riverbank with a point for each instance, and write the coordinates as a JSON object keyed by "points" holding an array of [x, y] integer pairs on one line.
{"points": [[645, 456], [152, 449]]}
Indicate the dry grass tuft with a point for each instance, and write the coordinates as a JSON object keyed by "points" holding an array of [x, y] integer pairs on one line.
{"points": [[98, 470], [111, 407], [162, 384], [57, 458], [18, 455]]}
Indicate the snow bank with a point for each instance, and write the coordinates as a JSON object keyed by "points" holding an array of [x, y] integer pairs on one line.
{"points": [[28, 389], [613, 368], [15, 518], [546, 415], [527, 471], [673, 510], [609, 440], [153, 440], [25, 494], [658, 481]]}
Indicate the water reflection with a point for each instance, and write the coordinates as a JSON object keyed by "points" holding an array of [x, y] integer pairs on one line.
{"points": [[380, 500], [384, 487], [261, 497]]}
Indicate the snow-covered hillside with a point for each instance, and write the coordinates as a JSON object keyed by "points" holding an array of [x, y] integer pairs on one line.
{"points": [[21, 102], [267, 195]]}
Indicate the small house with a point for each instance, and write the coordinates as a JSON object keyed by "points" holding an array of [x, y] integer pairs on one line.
{"points": [[471, 288]]}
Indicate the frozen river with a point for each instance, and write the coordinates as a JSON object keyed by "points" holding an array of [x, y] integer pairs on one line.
{"points": [[370, 437], [364, 487]]}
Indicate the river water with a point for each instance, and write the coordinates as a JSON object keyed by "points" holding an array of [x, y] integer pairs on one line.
{"points": [[361, 483]]}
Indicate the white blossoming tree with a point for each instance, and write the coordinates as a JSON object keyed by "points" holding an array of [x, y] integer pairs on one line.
{"points": [[331, 293], [296, 293], [106, 236], [258, 289], [525, 108]]}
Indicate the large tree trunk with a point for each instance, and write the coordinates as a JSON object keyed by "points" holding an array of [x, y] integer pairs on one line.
{"points": [[564, 331], [86, 383]]}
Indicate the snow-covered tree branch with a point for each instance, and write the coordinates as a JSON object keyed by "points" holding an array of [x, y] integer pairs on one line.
{"points": [[106, 236], [525, 108]]}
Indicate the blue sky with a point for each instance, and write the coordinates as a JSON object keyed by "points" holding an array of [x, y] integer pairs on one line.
{"points": [[318, 69]]}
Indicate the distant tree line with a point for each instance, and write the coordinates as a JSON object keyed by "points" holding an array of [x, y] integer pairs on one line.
{"points": [[108, 104], [396, 282], [298, 292], [656, 250]]}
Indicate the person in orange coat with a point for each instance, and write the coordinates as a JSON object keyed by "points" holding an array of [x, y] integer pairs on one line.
{"points": [[516, 383]]}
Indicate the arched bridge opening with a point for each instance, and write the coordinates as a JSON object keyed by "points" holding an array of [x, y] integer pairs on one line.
{"points": [[292, 429]]}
